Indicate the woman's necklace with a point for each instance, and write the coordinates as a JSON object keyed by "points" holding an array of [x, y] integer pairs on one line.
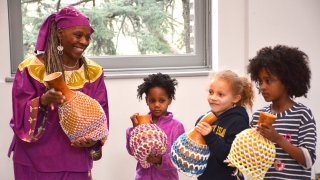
{"points": [[71, 67]]}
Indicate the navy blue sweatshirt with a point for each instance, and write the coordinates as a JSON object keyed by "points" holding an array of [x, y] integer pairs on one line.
{"points": [[219, 141]]}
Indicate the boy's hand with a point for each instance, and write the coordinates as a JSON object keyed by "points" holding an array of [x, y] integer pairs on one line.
{"points": [[267, 131], [203, 128], [134, 119]]}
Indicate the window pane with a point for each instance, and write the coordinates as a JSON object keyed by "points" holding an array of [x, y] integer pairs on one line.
{"points": [[130, 35], [122, 27]]}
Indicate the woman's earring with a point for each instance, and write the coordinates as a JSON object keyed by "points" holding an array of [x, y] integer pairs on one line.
{"points": [[60, 49]]}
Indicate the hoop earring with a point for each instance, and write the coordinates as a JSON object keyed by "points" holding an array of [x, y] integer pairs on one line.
{"points": [[60, 49]]}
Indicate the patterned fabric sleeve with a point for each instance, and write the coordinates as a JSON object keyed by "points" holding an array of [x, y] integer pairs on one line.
{"points": [[28, 122]]}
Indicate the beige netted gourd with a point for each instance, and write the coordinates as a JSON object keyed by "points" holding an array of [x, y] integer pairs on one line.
{"points": [[80, 116], [83, 116], [251, 153]]}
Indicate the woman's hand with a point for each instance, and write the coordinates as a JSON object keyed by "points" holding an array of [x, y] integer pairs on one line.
{"points": [[203, 128], [267, 131], [83, 142], [51, 97], [134, 119]]}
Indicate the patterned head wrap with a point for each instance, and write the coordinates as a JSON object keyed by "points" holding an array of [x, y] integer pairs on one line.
{"points": [[65, 18]]}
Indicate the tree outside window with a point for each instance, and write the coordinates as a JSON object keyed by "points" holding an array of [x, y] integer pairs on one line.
{"points": [[139, 33]]}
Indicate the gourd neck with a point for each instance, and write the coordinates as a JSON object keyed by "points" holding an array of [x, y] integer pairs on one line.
{"points": [[55, 80], [144, 119], [194, 135]]}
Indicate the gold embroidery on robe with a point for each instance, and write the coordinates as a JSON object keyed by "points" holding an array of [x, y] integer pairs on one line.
{"points": [[74, 79]]}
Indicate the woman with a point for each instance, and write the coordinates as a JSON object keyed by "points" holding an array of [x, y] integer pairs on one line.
{"points": [[41, 148]]}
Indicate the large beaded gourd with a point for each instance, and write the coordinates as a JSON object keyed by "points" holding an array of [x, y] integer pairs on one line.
{"points": [[251, 153], [190, 153], [147, 139], [80, 115]]}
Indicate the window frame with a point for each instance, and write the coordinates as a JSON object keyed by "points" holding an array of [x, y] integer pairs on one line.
{"points": [[132, 66]]}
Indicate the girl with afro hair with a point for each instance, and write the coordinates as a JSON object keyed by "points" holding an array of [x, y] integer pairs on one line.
{"points": [[159, 90], [281, 74]]}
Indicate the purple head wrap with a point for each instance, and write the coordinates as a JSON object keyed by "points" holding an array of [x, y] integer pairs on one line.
{"points": [[65, 18]]}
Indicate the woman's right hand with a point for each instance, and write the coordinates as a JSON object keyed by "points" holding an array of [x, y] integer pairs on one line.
{"points": [[51, 97], [134, 119]]}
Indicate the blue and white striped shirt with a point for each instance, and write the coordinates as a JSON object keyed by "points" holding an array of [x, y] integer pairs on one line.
{"points": [[298, 126]]}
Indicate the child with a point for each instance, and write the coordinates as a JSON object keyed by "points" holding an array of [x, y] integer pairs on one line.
{"points": [[159, 90], [228, 95], [282, 73]]}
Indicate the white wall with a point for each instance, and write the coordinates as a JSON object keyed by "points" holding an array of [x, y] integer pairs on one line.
{"points": [[244, 26], [295, 23]]}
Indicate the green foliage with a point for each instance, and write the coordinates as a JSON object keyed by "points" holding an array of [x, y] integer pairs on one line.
{"points": [[147, 21], [102, 37]]}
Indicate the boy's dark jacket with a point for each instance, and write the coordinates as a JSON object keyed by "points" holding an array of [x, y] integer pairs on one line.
{"points": [[219, 141]]}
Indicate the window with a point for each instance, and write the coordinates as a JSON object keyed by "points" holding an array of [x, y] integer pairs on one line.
{"points": [[131, 36]]}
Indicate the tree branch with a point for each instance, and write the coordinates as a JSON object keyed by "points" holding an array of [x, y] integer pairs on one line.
{"points": [[58, 5], [80, 2], [30, 1]]}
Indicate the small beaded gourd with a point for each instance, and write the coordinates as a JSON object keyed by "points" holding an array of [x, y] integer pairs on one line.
{"points": [[147, 139], [251, 153], [80, 115], [190, 153]]}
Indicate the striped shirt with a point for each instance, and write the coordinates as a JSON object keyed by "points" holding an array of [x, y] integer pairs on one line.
{"points": [[298, 126]]}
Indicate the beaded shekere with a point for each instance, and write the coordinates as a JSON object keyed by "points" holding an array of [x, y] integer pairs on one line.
{"points": [[145, 140], [251, 153], [189, 153], [83, 117]]}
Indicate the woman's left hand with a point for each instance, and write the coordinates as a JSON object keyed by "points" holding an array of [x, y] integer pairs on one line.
{"points": [[82, 142], [203, 128]]}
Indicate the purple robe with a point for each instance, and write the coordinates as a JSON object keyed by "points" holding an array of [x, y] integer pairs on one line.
{"points": [[39, 141], [173, 129]]}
